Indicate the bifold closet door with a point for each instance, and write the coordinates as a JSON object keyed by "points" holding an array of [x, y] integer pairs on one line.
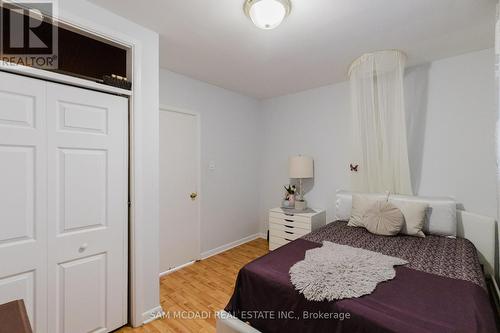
{"points": [[87, 210], [23, 196], [63, 205]]}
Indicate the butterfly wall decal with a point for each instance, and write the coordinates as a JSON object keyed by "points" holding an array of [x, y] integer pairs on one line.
{"points": [[354, 168]]}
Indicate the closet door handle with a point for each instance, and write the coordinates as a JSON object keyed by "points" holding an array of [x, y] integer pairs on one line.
{"points": [[83, 247], [288, 220]]}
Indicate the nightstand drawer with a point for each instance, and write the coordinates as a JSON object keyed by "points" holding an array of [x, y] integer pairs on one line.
{"points": [[290, 217], [290, 222], [286, 235], [285, 226], [275, 242], [289, 228]]}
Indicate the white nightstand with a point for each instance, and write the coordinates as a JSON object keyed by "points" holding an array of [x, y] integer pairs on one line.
{"points": [[285, 226]]}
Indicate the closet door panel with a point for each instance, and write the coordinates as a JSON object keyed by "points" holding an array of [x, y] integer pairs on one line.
{"points": [[23, 196], [83, 180], [87, 218], [87, 274]]}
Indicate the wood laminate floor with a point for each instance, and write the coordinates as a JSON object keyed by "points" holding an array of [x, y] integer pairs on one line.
{"points": [[199, 290]]}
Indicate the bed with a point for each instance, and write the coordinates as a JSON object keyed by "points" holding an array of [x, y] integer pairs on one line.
{"points": [[442, 289]]}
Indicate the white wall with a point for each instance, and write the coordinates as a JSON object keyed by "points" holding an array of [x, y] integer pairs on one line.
{"points": [[451, 103], [144, 252], [229, 137], [459, 148], [315, 123]]}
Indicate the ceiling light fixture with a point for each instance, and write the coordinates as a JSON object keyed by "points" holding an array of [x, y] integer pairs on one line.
{"points": [[267, 14]]}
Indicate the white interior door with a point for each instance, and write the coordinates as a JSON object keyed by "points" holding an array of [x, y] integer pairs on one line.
{"points": [[87, 215], [23, 196], [179, 201]]}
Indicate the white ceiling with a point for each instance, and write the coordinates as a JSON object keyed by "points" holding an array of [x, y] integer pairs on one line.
{"points": [[213, 41]]}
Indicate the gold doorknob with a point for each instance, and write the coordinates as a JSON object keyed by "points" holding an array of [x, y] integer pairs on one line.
{"points": [[193, 195]]}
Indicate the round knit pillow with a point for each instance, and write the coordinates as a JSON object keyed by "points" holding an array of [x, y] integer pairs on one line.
{"points": [[383, 218]]}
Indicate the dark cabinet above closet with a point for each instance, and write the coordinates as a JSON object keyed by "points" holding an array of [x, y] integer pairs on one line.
{"points": [[77, 54]]}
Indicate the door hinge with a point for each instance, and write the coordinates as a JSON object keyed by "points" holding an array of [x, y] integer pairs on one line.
{"points": [[129, 203]]}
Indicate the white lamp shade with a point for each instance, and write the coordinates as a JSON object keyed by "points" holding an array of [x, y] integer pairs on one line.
{"points": [[301, 167]]}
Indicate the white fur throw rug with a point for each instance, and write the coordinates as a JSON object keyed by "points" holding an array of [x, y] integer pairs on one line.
{"points": [[334, 272]]}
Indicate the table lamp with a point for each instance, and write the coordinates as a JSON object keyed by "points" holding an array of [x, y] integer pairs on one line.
{"points": [[300, 167]]}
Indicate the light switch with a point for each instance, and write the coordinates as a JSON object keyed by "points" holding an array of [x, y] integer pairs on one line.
{"points": [[211, 165]]}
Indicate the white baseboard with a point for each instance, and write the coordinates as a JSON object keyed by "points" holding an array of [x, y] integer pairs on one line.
{"points": [[220, 249], [153, 314], [171, 270]]}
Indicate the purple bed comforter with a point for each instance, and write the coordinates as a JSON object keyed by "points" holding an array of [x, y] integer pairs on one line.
{"points": [[442, 289]]}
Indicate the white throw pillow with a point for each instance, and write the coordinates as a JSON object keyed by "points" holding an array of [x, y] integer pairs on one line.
{"points": [[343, 203], [414, 216], [360, 205], [441, 216]]}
